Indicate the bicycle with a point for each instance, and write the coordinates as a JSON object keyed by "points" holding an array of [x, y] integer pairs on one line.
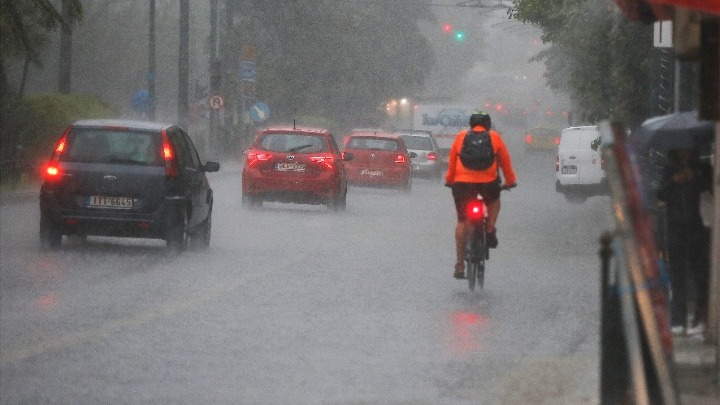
{"points": [[476, 248]]}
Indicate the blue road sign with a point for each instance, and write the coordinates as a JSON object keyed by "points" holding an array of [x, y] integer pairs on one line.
{"points": [[248, 71], [259, 112]]}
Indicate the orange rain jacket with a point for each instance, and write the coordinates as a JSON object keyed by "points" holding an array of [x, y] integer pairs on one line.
{"points": [[457, 173]]}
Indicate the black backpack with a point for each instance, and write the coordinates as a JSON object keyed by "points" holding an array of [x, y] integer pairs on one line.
{"points": [[477, 152]]}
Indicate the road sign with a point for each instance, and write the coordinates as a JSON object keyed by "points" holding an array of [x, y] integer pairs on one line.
{"points": [[248, 71], [216, 102], [259, 112]]}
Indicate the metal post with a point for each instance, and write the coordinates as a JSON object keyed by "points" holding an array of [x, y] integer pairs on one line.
{"points": [[151, 62], [713, 327]]}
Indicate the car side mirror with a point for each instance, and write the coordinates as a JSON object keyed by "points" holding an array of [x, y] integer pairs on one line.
{"points": [[347, 156], [211, 167]]}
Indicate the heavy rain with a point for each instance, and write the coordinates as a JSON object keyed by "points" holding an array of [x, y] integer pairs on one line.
{"points": [[341, 302]]}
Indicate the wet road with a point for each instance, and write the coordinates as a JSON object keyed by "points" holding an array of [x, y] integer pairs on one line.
{"points": [[295, 304]]}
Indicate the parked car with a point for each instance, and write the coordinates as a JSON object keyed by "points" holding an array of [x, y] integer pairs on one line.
{"points": [[542, 139], [295, 165], [126, 179], [426, 163], [579, 167], [380, 159]]}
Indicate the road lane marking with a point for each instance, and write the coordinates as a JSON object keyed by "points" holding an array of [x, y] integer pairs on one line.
{"points": [[108, 328]]}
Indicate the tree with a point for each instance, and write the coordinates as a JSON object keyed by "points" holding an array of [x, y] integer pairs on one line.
{"points": [[335, 59], [24, 26], [597, 57]]}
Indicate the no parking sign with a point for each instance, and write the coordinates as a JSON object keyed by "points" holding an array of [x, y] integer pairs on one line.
{"points": [[216, 102]]}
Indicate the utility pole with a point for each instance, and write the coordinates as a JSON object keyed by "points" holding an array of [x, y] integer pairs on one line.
{"points": [[151, 63], [183, 63], [214, 71], [64, 80]]}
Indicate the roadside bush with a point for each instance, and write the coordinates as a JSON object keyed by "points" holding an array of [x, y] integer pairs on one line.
{"points": [[33, 124]]}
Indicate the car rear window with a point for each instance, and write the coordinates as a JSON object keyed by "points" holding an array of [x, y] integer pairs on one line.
{"points": [[279, 142], [368, 143], [543, 132], [119, 146], [418, 142]]}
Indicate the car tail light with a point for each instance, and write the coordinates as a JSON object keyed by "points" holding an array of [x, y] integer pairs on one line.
{"points": [[528, 138], [51, 171], [476, 210], [557, 163], [326, 161], [168, 156], [556, 140], [432, 156], [254, 157], [602, 163], [400, 159]]}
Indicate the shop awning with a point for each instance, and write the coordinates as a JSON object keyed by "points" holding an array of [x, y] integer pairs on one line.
{"points": [[651, 10]]}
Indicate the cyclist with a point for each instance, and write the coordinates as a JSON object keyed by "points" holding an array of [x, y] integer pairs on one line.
{"points": [[467, 183]]}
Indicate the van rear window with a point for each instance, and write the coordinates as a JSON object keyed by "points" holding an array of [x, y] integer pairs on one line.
{"points": [[580, 140]]}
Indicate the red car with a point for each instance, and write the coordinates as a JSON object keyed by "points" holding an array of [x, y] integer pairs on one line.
{"points": [[294, 165], [379, 159]]}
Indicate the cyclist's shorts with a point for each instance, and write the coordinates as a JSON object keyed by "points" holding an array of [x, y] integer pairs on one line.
{"points": [[464, 192]]}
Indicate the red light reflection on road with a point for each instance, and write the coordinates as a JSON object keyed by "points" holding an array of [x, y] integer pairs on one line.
{"points": [[465, 332], [48, 301]]}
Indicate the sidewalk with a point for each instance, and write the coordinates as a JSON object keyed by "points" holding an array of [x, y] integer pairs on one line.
{"points": [[695, 371], [20, 195]]}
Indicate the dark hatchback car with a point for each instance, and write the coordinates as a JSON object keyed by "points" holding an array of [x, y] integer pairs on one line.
{"points": [[126, 178]]}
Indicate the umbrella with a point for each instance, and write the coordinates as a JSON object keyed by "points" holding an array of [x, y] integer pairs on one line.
{"points": [[674, 131]]}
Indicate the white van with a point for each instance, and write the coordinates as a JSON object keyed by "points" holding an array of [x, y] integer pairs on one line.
{"points": [[578, 165]]}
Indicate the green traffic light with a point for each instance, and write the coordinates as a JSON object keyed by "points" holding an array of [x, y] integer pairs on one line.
{"points": [[459, 35]]}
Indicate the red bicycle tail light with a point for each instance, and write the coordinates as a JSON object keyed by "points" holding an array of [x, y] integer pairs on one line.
{"points": [[400, 159], [325, 160], [476, 210], [432, 156], [168, 156]]}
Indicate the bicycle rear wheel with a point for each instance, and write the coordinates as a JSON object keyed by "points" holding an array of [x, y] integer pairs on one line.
{"points": [[471, 272], [481, 273]]}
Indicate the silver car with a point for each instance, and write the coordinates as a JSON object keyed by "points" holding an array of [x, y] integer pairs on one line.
{"points": [[427, 162]]}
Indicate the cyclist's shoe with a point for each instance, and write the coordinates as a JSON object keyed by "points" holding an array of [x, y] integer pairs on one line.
{"points": [[492, 240], [459, 271]]}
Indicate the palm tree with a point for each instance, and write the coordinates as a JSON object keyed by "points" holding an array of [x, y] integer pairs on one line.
{"points": [[23, 32]]}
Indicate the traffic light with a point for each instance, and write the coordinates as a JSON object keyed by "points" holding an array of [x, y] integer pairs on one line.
{"points": [[447, 28], [459, 35]]}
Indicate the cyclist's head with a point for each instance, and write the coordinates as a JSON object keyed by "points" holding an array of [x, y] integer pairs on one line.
{"points": [[480, 118]]}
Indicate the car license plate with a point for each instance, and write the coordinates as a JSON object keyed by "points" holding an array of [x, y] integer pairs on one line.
{"points": [[367, 172], [97, 201], [290, 167], [569, 170]]}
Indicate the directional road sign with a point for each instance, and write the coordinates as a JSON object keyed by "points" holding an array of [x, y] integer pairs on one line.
{"points": [[259, 112]]}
